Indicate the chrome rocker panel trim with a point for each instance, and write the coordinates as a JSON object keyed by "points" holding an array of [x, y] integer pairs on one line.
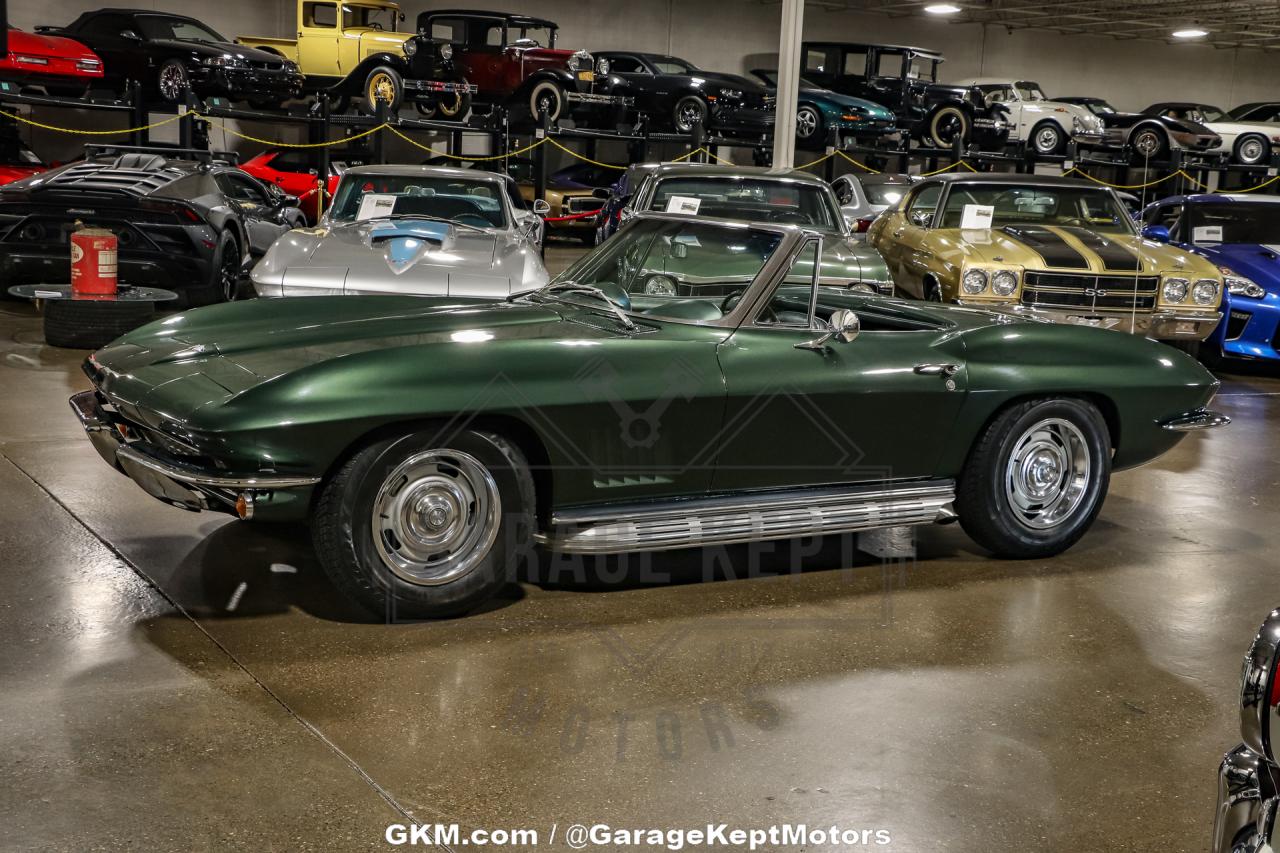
{"points": [[1244, 821], [1197, 420], [749, 518]]}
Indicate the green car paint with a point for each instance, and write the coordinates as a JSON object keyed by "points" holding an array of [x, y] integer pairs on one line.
{"points": [[611, 412]]}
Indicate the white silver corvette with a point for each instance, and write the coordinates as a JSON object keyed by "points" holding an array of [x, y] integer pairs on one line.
{"points": [[418, 230]]}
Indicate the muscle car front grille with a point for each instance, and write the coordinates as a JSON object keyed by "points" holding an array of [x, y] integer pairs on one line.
{"points": [[1108, 292]]}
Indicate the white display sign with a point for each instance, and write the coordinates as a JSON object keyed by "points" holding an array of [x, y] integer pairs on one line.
{"points": [[977, 216], [375, 205], [683, 204], [1207, 234]]}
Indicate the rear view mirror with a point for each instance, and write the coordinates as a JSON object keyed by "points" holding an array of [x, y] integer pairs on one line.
{"points": [[130, 35], [921, 218], [540, 207], [602, 192], [1159, 233], [679, 251]]}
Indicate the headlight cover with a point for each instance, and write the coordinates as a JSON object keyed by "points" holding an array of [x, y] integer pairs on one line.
{"points": [[410, 47], [1004, 283], [446, 51], [225, 61], [1238, 285], [1205, 292], [1175, 289], [731, 94], [602, 67], [974, 282], [659, 285]]}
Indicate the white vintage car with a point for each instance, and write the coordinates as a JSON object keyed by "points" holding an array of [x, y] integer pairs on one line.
{"points": [[1249, 143], [1043, 124]]}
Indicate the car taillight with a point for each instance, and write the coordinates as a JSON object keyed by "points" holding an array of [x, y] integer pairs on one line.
{"points": [[88, 65], [30, 60]]}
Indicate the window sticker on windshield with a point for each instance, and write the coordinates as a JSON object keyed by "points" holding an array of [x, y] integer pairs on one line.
{"points": [[376, 204], [1207, 234], [688, 239], [683, 204], [977, 216]]}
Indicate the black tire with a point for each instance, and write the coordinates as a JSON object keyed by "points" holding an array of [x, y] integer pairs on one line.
{"points": [[225, 282], [546, 94], [946, 125], [173, 82], [382, 84], [688, 111], [90, 325], [809, 125], [1048, 137], [1251, 149], [985, 500], [352, 553], [1149, 143]]}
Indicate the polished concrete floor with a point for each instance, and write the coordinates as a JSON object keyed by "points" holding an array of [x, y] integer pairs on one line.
{"points": [[177, 681]]}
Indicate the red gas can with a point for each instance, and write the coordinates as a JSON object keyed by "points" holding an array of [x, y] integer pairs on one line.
{"points": [[93, 262]]}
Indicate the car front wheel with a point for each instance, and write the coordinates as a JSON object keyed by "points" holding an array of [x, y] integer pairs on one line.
{"points": [[426, 525], [1251, 150], [1036, 478], [689, 111], [1048, 138]]}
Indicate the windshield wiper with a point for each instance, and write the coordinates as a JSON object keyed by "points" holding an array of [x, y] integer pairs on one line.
{"points": [[575, 287]]}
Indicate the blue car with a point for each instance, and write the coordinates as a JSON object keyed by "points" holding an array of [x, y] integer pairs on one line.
{"points": [[1241, 234]]}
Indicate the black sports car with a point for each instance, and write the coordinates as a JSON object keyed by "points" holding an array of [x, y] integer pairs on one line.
{"points": [[171, 54], [677, 94], [1151, 137], [186, 224]]}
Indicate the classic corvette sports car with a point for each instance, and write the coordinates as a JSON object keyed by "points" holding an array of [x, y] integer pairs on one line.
{"points": [[1240, 234], [431, 441], [420, 230], [1247, 142], [1049, 247], [1150, 137], [1244, 821]]}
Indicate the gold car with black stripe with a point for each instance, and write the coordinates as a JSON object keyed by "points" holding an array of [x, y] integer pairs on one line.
{"points": [[1060, 249]]}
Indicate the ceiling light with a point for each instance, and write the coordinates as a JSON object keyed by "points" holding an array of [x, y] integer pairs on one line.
{"points": [[1190, 33], [942, 9]]}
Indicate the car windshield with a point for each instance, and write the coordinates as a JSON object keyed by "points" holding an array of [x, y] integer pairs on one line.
{"points": [[374, 17], [779, 199], [682, 270], [889, 194], [168, 27], [1200, 113], [1030, 91], [1100, 108], [461, 200], [541, 36], [771, 78], [1235, 222], [1086, 207], [671, 65]]}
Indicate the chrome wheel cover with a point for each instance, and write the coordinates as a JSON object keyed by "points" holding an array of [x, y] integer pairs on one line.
{"points": [[1147, 143], [1251, 150], [173, 82], [1047, 139], [546, 99], [806, 123], [1048, 474], [688, 114], [436, 516]]}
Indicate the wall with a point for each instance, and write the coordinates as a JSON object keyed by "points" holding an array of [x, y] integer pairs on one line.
{"points": [[736, 34]]}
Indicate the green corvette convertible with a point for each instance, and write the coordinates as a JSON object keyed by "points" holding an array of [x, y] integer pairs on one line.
{"points": [[432, 442]]}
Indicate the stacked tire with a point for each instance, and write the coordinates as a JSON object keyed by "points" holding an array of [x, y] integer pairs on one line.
{"points": [[91, 324]]}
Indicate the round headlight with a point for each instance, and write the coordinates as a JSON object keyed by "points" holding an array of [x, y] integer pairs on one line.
{"points": [[659, 285], [602, 67], [446, 51], [1205, 292], [573, 62], [410, 47], [1004, 283], [974, 282], [856, 287], [1175, 289]]}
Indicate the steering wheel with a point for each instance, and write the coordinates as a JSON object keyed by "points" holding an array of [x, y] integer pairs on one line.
{"points": [[787, 217], [729, 302], [374, 25]]}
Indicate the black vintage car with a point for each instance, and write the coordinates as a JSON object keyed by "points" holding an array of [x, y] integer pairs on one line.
{"points": [[1150, 137], [676, 94], [905, 79], [185, 220], [173, 54]]}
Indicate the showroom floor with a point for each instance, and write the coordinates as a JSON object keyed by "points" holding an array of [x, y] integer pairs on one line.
{"points": [[155, 659]]}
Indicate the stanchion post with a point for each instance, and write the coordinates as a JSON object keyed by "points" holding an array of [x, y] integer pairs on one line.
{"points": [[833, 144], [322, 168], [540, 157], [139, 113], [697, 142]]}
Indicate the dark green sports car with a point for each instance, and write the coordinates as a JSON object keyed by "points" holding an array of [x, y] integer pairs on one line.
{"points": [[430, 442]]}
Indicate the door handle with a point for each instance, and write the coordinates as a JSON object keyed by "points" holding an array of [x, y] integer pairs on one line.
{"points": [[937, 369]]}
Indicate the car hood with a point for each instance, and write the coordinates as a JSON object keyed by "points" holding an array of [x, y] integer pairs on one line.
{"points": [[1069, 249], [1261, 263], [39, 44], [839, 101], [733, 81], [402, 244], [218, 48], [206, 356], [1239, 127]]}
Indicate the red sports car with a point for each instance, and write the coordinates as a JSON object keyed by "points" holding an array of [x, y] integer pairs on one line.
{"points": [[295, 172], [62, 66]]}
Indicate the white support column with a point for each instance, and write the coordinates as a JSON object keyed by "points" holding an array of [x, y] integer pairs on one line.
{"points": [[784, 132]]}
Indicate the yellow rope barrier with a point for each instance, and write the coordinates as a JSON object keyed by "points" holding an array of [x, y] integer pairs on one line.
{"points": [[573, 153], [947, 169], [275, 144], [79, 132], [1076, 170], [821, 159], [863, 166], [490, 158]]}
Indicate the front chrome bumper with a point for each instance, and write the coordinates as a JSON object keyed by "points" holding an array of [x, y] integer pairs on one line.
{"points": [[1158, 325], [1197, 420], [1244, 821], [174, 483]]}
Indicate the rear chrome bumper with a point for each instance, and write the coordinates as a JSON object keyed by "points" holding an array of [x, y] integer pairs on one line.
{"points": [[172, 482], [1244, 820], [1197, 420]]}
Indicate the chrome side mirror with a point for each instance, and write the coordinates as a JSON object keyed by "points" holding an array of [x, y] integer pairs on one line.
{"points": [[540, 207], [921, 218], [844, 327]]}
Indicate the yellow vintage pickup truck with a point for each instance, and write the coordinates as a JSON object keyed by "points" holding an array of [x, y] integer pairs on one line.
{"points": [[354, 50]]}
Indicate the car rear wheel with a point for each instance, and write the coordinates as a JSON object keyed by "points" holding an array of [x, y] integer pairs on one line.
{"points": [[173, 82], [689, 111], [1048, 138], [382, 85], [225, 270], [1149, 143], [1036, 478], [808, 124], [546, 97], [427, 524], [946, 126], [1251, 150]]}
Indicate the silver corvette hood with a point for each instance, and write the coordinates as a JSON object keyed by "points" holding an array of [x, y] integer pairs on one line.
{"points": [[379, 251]]}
